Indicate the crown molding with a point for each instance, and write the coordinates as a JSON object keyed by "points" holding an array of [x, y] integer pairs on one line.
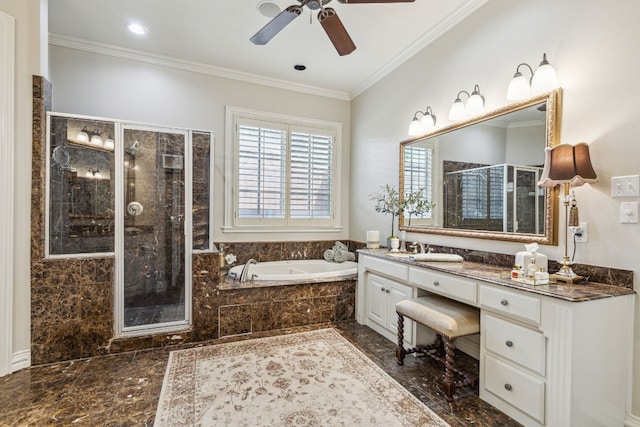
{"points": [[192, 66], [438, 30]]}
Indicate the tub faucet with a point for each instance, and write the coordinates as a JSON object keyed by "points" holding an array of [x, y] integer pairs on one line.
{"points": [[244, 275]]}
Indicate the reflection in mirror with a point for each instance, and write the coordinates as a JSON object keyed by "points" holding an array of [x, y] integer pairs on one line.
{"points": [[81, 188], [482, 174]]}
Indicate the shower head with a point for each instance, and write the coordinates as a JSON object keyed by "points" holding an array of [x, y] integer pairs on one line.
{"points": [[133, 150]]}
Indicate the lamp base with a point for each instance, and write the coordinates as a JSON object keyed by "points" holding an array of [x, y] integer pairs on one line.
{"points": [[567, 279], [566, 274]]}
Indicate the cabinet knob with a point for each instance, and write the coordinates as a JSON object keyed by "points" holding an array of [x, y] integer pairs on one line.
{"points": [[508, 387], [509, 344], [436, 283], [388, 291], [383, 289], [504, 302]]}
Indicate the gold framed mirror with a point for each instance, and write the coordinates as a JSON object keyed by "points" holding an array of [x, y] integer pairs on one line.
{"points": [[482, 174]]}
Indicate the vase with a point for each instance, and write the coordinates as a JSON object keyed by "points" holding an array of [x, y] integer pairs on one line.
{"points": [[394, 244]]}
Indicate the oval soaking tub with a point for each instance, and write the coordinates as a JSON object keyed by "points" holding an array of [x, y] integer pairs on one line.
{"points": [[298, 270]]}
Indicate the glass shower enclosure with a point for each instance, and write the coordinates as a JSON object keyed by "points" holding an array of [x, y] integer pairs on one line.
{"points": [[153, 240], [495, 198]]}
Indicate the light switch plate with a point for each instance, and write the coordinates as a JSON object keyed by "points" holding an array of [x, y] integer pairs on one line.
{"points": [[629, 213], [625, 186]]}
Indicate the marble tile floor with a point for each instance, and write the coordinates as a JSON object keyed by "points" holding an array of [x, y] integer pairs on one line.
{"points": [[123, 389]]}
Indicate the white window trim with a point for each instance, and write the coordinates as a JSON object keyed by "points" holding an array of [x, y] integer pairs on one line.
{"points": [[229, 224]]}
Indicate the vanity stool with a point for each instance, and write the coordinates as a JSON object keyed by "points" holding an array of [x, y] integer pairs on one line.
{"points": [[449, 319]]}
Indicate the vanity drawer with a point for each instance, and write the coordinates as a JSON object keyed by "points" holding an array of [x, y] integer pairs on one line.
{"points": [[514, 342], [393, 269], [510, 303], [518, 388], [458, 288]]}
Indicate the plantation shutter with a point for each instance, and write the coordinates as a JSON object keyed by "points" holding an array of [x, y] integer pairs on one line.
{"points": [[418, 163], [311, 176], [261, 175]]}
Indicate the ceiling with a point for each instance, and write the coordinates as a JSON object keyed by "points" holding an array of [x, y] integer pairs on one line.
{"points": [[213, 36]]}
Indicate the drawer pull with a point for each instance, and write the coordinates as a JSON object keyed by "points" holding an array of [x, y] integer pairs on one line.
{"points": [[508, 387], [504, 302], [436, 283], [509, 343]]}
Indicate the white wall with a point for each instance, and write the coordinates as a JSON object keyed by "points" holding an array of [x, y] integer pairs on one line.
{"points": [[105, 86], [30, 58], [593, 46]]}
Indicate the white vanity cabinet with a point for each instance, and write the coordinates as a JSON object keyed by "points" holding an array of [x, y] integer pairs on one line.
{"points": [[546, 359], [382, 296], [384, 283]]}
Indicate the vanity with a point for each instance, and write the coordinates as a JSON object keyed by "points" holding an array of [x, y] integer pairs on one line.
{"points": [[550, 355]]}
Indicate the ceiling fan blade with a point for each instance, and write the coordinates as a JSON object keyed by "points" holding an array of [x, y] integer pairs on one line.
{"points": [[335, 30], [274, 26], [375, 1]]}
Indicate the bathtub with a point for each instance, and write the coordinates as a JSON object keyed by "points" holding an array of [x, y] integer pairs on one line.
{"points": [[298, 271]]}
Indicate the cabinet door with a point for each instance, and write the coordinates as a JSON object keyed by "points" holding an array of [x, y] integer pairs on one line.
{"points": [[377, 299], [398, 293]]}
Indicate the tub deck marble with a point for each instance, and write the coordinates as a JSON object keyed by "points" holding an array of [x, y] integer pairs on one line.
{"points": [[578, 292]]}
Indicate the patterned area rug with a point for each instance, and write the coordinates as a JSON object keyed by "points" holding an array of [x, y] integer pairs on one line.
{"points": [[312, 378]]}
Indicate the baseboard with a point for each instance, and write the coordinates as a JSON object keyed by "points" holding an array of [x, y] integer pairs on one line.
{"points": [[20, 360], [631, 420]]}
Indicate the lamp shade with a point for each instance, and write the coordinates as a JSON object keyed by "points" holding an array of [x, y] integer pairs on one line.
{"points": [[545, 78], [518, 88], [414, 127], [428, 121], [567, 164], [457, 111]]}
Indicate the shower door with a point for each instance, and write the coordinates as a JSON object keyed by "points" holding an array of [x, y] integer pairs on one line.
{"points": [[153, 260]]}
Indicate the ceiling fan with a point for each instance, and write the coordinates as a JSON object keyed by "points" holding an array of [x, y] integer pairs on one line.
{"points": [[327, 17]]}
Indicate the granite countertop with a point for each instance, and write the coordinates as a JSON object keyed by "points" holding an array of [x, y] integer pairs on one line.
{"points": [[490, 273]]}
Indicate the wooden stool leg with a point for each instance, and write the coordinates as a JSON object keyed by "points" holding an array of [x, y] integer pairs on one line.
{"points": [[449, 384], [400, 351], [439, 345]]}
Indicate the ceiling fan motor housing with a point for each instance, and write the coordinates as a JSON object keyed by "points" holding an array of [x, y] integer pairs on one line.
{"points": [[315, 4]]}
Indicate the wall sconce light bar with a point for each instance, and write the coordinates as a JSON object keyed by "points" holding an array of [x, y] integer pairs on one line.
{"points": [[544, 79], [423, 125], [473, 107]]}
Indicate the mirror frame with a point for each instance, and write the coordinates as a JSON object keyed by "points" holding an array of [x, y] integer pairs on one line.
{"points": [[553, 100]]}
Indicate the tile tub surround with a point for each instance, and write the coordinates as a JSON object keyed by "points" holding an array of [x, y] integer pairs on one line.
{"points": [[260, 309]]}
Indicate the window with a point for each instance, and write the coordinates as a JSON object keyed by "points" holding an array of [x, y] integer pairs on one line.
{"points": [[418, 175], [285, 173]]}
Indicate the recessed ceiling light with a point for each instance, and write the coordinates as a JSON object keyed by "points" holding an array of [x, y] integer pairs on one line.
{"points": [[268, 9], [137, 28], [300, 67]]}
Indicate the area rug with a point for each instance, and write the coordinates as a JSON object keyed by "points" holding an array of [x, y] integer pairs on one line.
{"points": [[312, 378]]}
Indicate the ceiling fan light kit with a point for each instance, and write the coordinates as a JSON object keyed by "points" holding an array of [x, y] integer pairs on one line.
{"points": [[327, 17]]}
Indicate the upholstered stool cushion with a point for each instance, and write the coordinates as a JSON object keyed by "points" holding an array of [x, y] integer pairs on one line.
{"points": [[449, 318]]}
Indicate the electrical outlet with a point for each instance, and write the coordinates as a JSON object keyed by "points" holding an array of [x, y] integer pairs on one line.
{"points": [[579, 232]]}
